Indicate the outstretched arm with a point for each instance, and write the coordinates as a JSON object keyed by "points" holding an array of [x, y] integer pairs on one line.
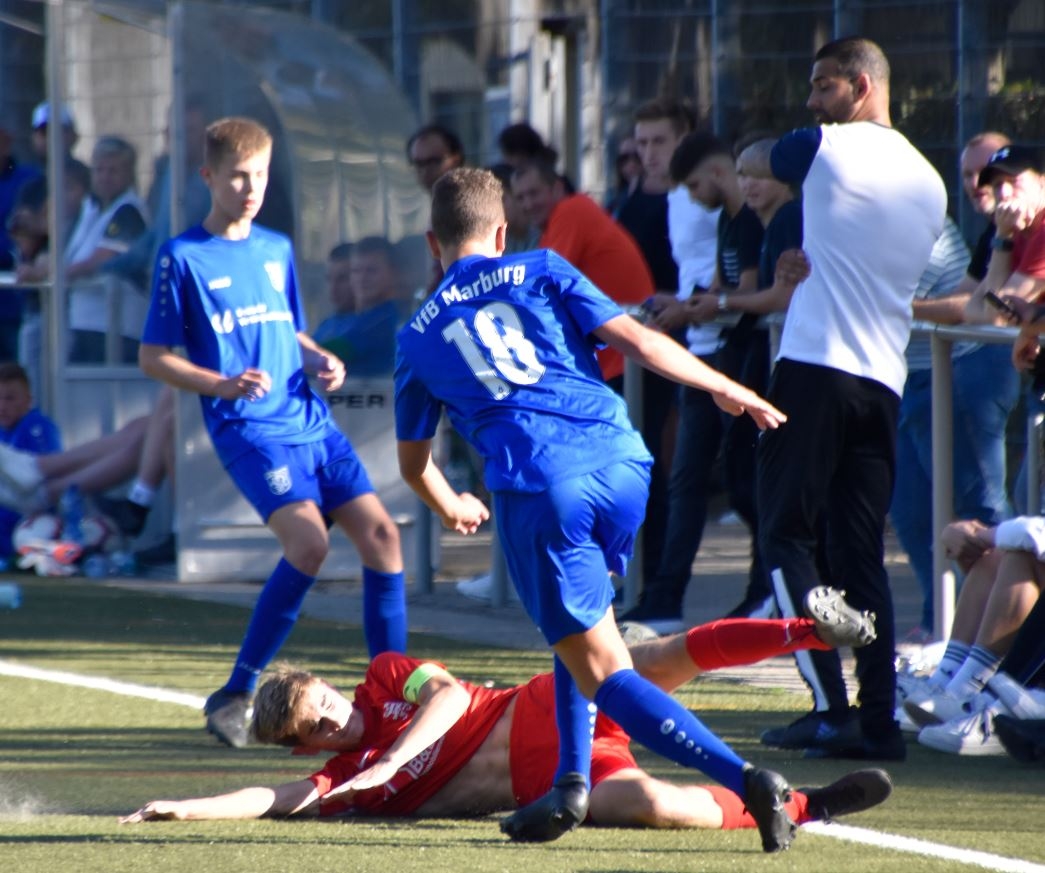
{"points": [[290, 798], [460, 512], [664, 356]]}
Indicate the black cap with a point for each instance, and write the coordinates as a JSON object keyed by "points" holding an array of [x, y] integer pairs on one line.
{"points": [[1010, 160]]}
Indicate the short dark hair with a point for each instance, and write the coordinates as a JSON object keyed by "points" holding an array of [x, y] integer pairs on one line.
{"points": [[373, 245], [466, 202], [237, 136], [13, 372], [694, 149], [340, 252], [543, 166], [678, 113], [450, 139], [856, 55], [521, 139]]}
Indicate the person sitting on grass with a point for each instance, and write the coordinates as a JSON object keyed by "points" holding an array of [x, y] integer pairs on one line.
{"points": [[416, 742]]}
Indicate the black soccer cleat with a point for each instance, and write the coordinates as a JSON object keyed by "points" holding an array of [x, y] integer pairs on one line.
{"points": [[227, 717], [765, 794], [1022, 738], [854, 792], [127, 515], [837, 623], [549, 817]]}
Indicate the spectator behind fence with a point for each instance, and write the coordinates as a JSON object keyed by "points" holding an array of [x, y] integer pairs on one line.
{"points": [[873, 207], [42, 124], [985, 390], [1016, 269], [24, 427], [521, 145], [433, 150], [705, 166], [995, 644], [677, 238], [628, 174], [522, 235], [578, 229], [14, 175], [107, 230], [361, 332]]}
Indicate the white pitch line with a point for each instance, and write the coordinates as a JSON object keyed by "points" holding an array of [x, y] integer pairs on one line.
{"points": [[128, 689], [923, 847], [827, 829]]}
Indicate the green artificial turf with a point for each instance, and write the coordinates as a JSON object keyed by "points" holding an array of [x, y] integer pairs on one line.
{"points": [[72, 760]]}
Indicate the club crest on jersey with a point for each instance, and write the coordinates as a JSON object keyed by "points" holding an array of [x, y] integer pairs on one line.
{"points": [[278, 480], [276, 276]]}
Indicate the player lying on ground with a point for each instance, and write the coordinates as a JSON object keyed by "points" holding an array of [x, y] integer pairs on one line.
{"points": [[415, 741]]}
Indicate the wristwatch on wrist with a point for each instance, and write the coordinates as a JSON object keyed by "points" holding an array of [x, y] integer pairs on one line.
{"points": [[723, 302], [1001, 244]]}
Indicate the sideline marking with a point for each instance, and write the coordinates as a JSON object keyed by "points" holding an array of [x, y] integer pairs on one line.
{"points": [[834, 830], [128, 689], [923, 847]]}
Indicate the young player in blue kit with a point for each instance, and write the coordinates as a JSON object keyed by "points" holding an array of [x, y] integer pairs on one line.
{"points": [[506, 346], [226, 291]]}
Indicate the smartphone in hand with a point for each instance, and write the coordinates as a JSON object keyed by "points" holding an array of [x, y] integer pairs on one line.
{"points": [[1006, 309]]}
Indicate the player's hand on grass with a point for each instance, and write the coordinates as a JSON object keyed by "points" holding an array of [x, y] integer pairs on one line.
{"points": [[249, 385], [156, 810], [465, 514]]}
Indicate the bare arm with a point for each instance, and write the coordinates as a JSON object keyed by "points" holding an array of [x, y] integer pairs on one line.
{"points": [[161, 363], [328, 368], [290, 798], [942, 310], [440, 704], [460, 512], [664, 356]]}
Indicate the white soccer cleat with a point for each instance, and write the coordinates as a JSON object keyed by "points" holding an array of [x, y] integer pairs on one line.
{"points": [[931, 706], [970, 735], [1018, 701], [19, 469]]}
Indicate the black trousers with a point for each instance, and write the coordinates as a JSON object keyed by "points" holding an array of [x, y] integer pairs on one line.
{"points": [[835, 458]]}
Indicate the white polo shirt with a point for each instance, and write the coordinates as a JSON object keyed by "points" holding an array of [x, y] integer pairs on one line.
{"points": [[873, 207]]}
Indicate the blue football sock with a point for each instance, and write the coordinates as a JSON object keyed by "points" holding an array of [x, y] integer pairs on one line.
{"points": [[575, 719], [270, 625], [663, 725], [384, 611]]}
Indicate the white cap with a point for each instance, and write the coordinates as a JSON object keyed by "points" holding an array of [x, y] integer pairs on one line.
{"points": [[42, 115]]}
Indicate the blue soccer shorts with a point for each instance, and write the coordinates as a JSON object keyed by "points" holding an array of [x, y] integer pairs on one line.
{"points": [[328, 472], [561, 544]]}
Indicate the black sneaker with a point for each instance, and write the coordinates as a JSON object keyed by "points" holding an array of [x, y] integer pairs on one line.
{"points": [[837, 623], [1023, 738], [227, 716], [884, 746], [854, 792], [549, 817], [765, 794], [813, 729], [127, 515]]}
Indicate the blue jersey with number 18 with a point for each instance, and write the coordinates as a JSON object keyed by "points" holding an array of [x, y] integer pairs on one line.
{"points": [[505, 346]]}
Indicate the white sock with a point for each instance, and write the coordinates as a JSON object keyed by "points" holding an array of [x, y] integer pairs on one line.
{"points": [[974, 673], [141, 493], [953, 658]]}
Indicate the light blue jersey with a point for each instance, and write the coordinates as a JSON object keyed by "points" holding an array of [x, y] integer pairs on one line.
{"points": [[234, 305], [505, 345]]}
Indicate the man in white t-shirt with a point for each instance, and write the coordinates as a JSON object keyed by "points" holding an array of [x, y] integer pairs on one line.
{"points": [[873, 208]]}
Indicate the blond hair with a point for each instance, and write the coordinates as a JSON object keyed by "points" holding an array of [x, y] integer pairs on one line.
{"points": [[240, 137], [277, 707]]}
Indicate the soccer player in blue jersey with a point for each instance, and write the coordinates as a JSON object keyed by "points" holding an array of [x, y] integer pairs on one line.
{"points": [[506, 346], [226, 292]]}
